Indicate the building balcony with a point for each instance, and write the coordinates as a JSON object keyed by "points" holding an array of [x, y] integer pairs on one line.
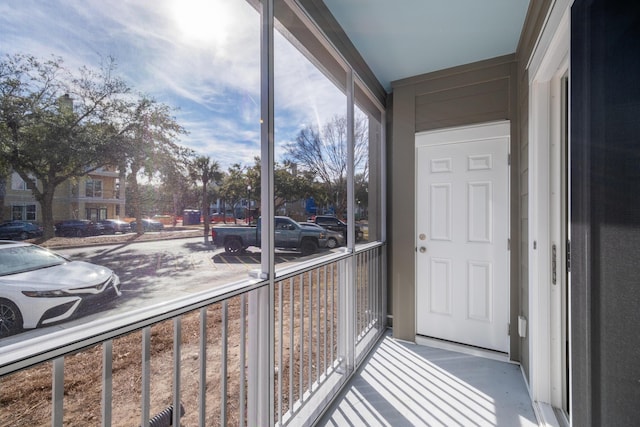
{"points": [[308, 347], [103, 196], [105, 172]]}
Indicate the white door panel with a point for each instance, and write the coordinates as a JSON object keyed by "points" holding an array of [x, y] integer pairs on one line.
{"points": [[462, 230]]}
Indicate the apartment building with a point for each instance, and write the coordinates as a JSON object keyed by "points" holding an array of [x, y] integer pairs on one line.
{"points": [[94, 196]]}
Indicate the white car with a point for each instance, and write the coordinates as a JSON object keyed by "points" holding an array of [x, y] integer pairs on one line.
{"points": [[39, 287]]}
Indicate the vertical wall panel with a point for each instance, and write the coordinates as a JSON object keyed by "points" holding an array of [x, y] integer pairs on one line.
{"points": [[605, 212], [520, 241]]}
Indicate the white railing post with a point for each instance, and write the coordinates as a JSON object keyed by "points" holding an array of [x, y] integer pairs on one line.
{"points": [[57, 393], [253, 392], [107, 382], [177, 367], [260, 395], [146, 376], [346, 314], [347, 267]]}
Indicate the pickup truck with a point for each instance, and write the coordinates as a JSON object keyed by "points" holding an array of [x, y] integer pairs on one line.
{"points": [[288, 235]]}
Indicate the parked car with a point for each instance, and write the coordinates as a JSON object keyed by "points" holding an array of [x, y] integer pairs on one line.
{"points": [[78, 228], [39, 287], [112, 226], [148, 225], [334, 238], [288, 235], [330, 222], [19, 230]]}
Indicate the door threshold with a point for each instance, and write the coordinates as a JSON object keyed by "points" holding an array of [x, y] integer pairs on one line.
{"points": [[462, 348]]}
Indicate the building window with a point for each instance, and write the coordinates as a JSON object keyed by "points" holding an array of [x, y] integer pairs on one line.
{"points": [[17, 183], [96, 214], [93, 188], [23, 212]]}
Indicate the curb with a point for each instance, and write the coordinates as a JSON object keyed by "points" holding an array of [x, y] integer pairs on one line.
{"points": [[130, 239]]}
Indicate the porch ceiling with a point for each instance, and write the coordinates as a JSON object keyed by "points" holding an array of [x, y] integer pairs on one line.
{"points": [[400, 39]]}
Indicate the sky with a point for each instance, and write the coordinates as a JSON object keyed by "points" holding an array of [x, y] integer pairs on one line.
{"points": [[201, 57]]}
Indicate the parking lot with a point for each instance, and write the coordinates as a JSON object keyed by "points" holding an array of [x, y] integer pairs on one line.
{"points": [[155, 271]]}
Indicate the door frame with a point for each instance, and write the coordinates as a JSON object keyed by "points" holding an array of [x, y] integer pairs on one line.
{"points": [[468, 133], [549, 64]]}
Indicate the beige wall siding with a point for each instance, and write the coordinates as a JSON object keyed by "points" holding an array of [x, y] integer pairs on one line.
{"points": [[474, 93]]}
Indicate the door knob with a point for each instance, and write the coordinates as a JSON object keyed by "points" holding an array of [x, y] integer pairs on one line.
{"points": [[423, 249]]}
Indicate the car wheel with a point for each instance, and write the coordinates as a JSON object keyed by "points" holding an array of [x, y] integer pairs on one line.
{"points": [[10, 319], [332, 243], [308, 247], [24, 235], [233, 246]]}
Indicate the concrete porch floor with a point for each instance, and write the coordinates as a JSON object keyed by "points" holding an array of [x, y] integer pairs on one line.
{"points": [[404, 384]]}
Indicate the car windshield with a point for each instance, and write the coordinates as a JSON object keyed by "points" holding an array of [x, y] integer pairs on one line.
{"points": [[20, 259]]}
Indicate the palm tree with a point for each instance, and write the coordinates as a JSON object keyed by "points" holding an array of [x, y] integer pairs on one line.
{"points": [[205, 170]]}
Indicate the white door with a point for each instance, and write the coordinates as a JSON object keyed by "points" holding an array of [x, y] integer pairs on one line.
{"points": [[462, 231]]}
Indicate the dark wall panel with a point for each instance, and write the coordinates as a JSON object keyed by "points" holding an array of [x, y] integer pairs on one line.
{"points": [[605, 147], [479, 103]]}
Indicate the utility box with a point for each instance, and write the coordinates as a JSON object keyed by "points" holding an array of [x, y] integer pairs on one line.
{"points": [[190, 217]]}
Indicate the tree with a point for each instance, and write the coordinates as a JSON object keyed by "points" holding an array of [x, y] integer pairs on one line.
{"points": [[234, 186], [148, 146], [56, 125], [290, 185], [324, 154], [177, 187], [148, 197], [204, 170], [252, 181], [4, 176]]}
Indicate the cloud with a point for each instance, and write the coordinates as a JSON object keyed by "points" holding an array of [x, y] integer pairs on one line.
{"points": [[202, 57]]}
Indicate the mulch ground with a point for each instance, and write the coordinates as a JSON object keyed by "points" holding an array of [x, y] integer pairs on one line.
{"points": [[168, 233]]}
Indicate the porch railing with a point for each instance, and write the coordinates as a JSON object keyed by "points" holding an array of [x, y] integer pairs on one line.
{"points": [[196, 353]]}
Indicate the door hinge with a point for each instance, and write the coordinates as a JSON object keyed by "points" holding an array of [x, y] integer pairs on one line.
{"points": [[508, 244], [568, 256], [508, 329], [509, 159]]}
